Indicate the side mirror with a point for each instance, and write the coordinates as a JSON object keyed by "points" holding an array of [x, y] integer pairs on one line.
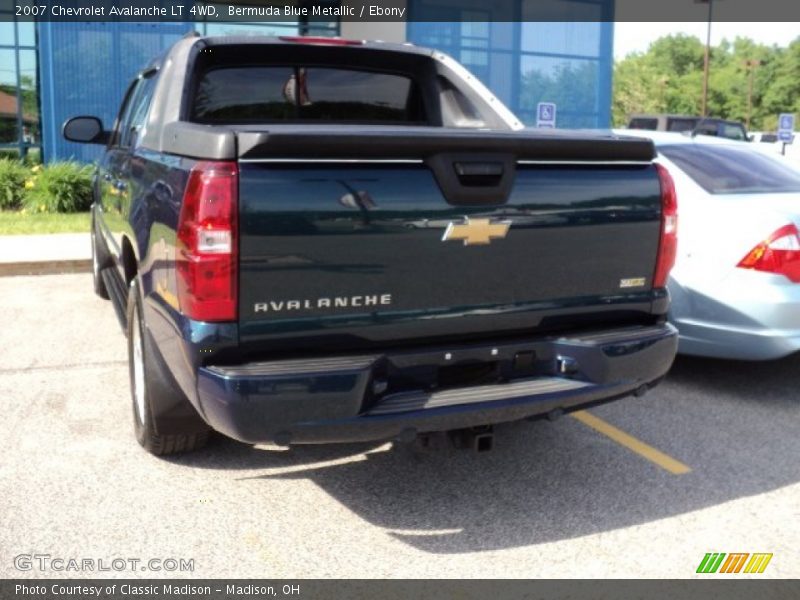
{"points": [[751, 138], [85, 130]]}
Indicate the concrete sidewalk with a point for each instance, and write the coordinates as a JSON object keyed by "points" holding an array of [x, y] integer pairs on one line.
{"points": [[44, 254]]}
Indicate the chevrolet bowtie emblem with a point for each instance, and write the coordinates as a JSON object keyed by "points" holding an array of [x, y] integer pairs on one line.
{"points": [[476, 232]]}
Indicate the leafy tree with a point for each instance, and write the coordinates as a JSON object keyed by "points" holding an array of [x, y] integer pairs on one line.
{"points": [[783, 92], [668, 78]]}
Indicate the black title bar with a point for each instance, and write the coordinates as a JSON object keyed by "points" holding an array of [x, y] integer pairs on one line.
{"points": [[316, 589], [401, 10]]}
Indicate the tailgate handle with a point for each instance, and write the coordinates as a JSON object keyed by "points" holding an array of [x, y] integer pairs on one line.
{"points": [[474, 178], [479, 173]]}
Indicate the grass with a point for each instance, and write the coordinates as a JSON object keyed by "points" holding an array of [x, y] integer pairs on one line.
{"points": [[17, 223]]}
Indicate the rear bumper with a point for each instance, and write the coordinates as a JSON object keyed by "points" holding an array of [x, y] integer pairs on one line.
{"points": [[747, 315], [716, 340], [354, 398]]}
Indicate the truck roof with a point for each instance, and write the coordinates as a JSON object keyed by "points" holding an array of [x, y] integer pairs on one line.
{"points": [[191, 40]]}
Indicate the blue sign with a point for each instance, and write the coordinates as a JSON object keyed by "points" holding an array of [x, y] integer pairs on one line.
{"points": [[786, 127], [546, 114]]}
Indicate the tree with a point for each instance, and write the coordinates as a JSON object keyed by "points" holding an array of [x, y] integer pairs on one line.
{"points": [[668, 78], [783, 92]]}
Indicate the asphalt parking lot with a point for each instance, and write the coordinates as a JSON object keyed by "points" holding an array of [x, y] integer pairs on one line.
{"points": [[707, 462]]}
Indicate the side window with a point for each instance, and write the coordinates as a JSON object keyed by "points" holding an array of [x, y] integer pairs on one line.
{"points": [[707, 129], [134, 111], [140, 106], [643, 123], [124, 112], [679, 125], [733, 132]]}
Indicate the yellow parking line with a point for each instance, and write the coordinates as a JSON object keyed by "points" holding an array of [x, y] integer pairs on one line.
{"points": [[631, 443]]}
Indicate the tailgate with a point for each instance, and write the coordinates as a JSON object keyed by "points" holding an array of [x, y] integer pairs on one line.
{"points": [[348, 252]]}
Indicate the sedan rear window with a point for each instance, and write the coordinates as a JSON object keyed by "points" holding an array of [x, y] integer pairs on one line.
{"points": [[257, 94], [731, 170]]}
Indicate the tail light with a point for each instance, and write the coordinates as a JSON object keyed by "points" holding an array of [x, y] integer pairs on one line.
{"points": [[206, 252], [779, 253], [668, 244], [321, 40]]}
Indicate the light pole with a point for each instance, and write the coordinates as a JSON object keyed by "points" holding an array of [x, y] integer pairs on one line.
{"points": [[707, 55], [750, 65], [662, 96]]}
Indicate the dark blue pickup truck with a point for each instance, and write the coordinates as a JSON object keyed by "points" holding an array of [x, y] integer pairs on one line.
{"points": [[323, 240]]}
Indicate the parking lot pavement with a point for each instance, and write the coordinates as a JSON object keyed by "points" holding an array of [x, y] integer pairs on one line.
{"points": [[556, 499]]}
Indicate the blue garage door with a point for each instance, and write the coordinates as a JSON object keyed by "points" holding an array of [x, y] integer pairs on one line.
{"points": [[85, 68]]}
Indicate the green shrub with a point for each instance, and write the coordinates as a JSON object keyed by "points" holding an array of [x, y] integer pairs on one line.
{"points": [[33, 157], [61, 187], [12, 183]]}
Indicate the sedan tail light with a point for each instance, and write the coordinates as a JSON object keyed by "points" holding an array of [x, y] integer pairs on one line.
{"points": [[668, 243], [206, 252], [779, 253]]}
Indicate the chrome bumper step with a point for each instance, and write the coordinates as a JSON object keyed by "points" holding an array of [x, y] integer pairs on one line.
{"points": [[411, 401]]}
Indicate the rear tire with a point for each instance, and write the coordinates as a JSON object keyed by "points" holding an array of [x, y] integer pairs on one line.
{"points": [[141, 370], [99, 258]]}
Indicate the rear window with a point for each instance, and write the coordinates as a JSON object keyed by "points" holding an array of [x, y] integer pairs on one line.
{"points": [[257, 94], [679, 125], [731, 170]]}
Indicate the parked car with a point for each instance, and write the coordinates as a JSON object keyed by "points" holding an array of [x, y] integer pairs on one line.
{"points": [[769, 142], [764, 137], [321, 240], [733, 130], [736, 283]]}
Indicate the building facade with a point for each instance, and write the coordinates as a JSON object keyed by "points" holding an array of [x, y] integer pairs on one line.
{"points": [[50, 71]]}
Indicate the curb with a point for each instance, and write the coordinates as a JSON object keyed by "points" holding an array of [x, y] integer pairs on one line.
{"points": [[41, 267]]}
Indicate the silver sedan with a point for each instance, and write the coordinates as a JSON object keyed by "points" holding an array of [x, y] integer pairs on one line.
{"points": [[736, 283]]}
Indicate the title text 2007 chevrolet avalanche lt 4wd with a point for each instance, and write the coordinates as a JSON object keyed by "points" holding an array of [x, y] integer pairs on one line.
{"points": [[321, 240]]}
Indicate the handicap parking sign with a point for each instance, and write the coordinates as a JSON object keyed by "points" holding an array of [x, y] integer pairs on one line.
{"points": [[786, 127], [546, 114]]}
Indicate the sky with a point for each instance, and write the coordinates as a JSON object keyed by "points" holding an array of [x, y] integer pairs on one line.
{"points": [[636, 37]]}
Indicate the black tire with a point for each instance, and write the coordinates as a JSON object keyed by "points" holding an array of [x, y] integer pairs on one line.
{"points": [[143, 380], [99, 261]]}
